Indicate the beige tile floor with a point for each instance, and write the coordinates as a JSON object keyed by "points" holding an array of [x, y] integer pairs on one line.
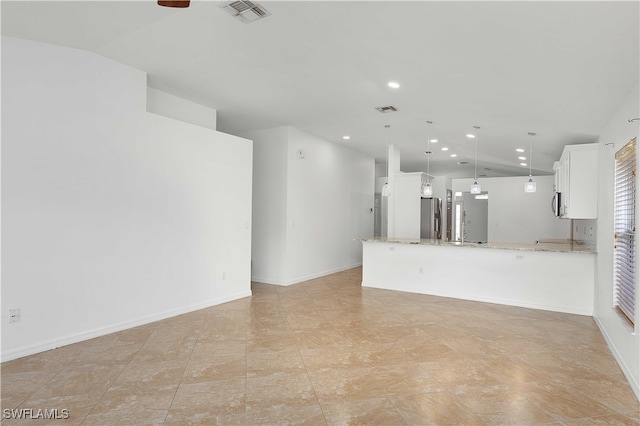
{"points": [[328, 351]]}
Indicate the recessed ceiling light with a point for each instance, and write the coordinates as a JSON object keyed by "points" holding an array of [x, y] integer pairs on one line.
{"points": [[434, 141], [470, 136], [519, 150], [454, 155], [346, 138], [444, 148], [522, 158], [523, 164], [393, 84]]}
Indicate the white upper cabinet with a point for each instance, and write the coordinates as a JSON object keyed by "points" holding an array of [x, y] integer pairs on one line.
{"points": [[576, 179]]}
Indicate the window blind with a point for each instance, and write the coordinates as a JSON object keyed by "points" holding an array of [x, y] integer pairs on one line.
{"points": [[624, 264]]}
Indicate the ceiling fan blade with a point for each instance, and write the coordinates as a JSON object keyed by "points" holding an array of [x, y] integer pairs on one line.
{"points": [[174, 3]]}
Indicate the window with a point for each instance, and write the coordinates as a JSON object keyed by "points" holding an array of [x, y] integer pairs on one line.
{"points": [[624, 254]]}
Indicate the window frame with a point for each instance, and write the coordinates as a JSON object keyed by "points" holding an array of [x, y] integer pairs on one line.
{"points": [[625, 292]]}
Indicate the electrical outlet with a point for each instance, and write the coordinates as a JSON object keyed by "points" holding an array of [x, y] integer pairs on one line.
{"points": [[519, 257], [14, 315], [420, 270]]}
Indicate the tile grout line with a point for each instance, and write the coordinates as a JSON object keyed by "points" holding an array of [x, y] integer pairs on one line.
{"points": [[246, 353], [306, 370], [116, 379], [166, 416]]}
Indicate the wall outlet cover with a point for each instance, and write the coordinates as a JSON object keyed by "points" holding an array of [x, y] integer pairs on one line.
{"points": [[14, 315]]}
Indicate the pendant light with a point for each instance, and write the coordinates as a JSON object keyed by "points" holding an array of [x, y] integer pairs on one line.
{"points": [[531, 185], [427, 190], [475, 188], [386, 189]]}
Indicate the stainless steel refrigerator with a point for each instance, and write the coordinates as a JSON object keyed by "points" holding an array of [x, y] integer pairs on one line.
{"points": [[431, 218]]}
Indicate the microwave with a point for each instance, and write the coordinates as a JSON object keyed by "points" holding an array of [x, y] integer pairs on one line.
{"points": [[556, 202]]}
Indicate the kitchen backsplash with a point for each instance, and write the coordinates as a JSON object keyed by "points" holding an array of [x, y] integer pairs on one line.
{"points": [[585, 231]]}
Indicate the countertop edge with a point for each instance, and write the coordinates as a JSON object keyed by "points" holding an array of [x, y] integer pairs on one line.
{"points": [[545, 247]]}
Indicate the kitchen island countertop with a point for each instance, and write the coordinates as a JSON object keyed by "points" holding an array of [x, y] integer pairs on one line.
{"points": [[560, 246]]}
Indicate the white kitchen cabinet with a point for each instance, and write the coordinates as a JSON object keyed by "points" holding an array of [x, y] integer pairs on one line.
{"points": [[576, 179]]}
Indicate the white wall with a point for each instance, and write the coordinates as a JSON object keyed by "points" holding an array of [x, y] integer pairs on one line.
{"points": [[393, 155], [516, 216], [407, 203], [112, 217], [168, 105], [269, 228], [328, 203], [624, 344]]}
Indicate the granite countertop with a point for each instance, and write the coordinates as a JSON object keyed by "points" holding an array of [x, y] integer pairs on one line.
{"points": [[560, 246]]}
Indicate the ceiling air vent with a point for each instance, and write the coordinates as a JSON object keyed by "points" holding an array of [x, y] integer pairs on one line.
{"points": [[245, 11], [462, 163], [386, 109]]}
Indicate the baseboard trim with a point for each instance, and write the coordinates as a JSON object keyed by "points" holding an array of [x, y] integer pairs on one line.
{"points": [[563, 309], [90, 334], [635, 386], [304, 278]]}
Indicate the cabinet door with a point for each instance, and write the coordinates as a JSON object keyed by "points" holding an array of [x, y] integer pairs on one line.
{"points": [[578, 181], [566, 186], [556, 176]]}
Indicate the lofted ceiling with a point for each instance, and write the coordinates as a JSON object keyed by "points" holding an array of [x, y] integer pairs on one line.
{"points": [[559, 69]]}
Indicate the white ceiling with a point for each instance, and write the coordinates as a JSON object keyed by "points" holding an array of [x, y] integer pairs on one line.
{"points": [[559, 69]]}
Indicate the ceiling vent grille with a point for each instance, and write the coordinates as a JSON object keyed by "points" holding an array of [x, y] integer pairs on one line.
{"points": [[386, 109], [245, 11]]}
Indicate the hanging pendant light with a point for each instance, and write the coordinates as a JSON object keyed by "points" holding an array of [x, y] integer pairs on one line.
{"points": [[530, 186], [427, 190], [475, 188], [386, 189]]}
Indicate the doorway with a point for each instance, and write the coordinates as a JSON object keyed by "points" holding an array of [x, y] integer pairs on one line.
{"points": [[471, 217]]}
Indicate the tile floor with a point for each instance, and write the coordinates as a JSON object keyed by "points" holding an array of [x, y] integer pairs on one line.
{"points": [[328, 351]]}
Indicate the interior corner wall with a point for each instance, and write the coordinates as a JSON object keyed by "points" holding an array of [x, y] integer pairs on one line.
{"points": [[111, 217], [329, 205], [168, 105], [269, 229], [624, 344], [308, 212], [516, 216]]}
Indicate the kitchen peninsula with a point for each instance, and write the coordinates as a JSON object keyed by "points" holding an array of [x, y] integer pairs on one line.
{"points": [[551, 276]]}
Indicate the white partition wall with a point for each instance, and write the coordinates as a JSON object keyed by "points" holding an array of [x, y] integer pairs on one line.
{"points": [[312, 200], [111, 216], [407, 201]]}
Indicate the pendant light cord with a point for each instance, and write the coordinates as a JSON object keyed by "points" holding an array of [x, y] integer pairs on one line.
{"points": [[429, 153], [475, 172], [530, 157], [428, 160], [387, 126], [531, 134]]}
